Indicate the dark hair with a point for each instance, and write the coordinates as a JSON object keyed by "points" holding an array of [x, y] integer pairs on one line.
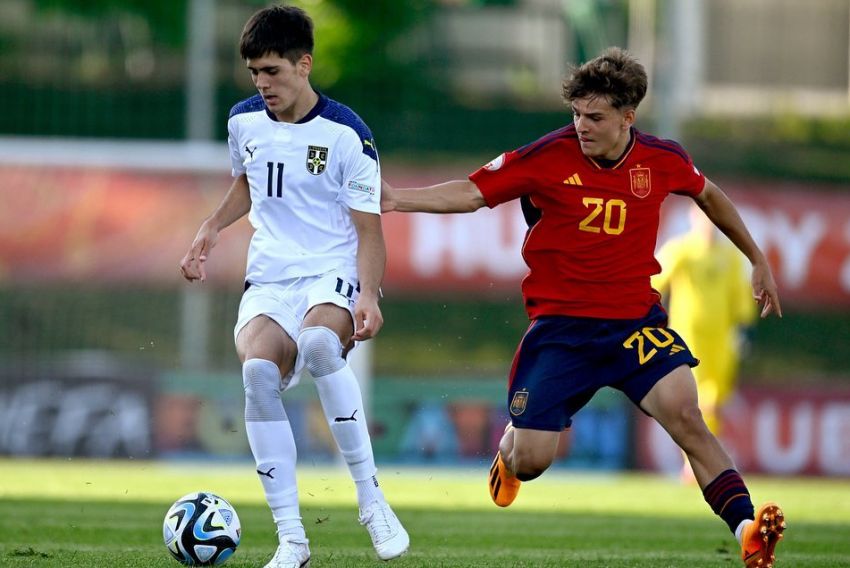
{"points": [[615, 74], [284, 30]]}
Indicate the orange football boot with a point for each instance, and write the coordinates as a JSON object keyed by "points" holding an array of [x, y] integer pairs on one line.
{"points": [[504, 486], [760, 537]]}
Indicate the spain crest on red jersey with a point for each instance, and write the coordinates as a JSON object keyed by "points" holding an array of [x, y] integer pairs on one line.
{"points": [[640, 181]]}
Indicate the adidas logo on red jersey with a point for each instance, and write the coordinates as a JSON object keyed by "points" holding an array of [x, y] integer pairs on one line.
{"points": [[573, 180]]}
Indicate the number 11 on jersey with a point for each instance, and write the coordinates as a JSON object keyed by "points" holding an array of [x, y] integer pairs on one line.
{"points": [[271, 167]]}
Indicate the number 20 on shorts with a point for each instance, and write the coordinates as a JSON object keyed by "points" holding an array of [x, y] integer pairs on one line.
{"points": [[646, 340]]}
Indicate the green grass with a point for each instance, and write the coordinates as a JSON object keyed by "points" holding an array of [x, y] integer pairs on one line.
{"points": [[88, 513]]}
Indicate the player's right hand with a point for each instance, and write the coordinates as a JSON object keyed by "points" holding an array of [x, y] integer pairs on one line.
{"points": [[387, 197], [192, 264], [765, 290]]}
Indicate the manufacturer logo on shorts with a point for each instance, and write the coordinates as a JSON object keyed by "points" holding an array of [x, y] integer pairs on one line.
{"points": [[317, 159], [518, 402]]}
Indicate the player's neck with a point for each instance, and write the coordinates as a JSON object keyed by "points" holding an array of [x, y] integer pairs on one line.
{"points": [[619, 148], [617, 152], [301, 107]]}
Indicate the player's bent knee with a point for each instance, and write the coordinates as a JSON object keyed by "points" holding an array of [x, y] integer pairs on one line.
{"points": [[692, 419], [529, 475], [321, 351], [529, 465], [527, 472], [689, 429], [261, 381], [260, 376]]}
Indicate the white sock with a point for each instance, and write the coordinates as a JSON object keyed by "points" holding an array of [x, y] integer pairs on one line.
{"points": [[739, 532], [368, 491], [342, 403], [273, 445]]}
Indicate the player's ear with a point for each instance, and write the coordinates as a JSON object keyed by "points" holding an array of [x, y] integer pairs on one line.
{"points": [[628, 118], [305, 65]]}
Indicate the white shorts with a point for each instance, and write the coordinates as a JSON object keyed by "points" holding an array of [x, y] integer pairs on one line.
{"points": [[287, 303]]}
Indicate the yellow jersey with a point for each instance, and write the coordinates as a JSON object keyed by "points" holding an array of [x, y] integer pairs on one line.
{"points": [[709, 298]]}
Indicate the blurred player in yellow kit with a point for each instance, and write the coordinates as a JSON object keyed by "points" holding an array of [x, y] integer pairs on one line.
{"points": [[709, 301]]}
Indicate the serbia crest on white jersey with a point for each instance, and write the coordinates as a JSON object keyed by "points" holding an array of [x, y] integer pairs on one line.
{"points": [[304, 177]]}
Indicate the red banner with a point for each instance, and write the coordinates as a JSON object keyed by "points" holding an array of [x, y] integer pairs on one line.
{"points": [[102, 225], [775, 431], [95, 225]]}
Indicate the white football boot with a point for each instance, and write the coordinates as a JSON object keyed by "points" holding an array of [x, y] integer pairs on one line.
{"points": [[388, 536], [290, 555]]}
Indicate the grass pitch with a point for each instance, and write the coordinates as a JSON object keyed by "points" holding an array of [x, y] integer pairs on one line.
{"points": [[95, 514]]}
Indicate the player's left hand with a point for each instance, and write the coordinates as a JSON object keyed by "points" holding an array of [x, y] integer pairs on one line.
{"points": [[765, 291], [367, 318]]}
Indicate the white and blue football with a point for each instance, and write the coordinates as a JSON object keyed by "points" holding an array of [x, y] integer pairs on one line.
{"points": [[201, 529]]}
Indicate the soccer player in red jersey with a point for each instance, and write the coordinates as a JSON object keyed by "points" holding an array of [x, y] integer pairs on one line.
{"points": [[591, 193]]}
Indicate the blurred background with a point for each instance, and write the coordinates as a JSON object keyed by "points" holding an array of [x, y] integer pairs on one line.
{"points": [[113, 150]]}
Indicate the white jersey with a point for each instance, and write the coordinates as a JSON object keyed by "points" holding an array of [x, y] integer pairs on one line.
{"points": [[304, 178]]}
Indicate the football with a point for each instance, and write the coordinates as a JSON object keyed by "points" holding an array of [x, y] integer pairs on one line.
{"points": [[201, 529]]}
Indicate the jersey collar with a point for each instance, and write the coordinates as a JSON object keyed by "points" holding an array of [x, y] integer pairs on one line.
{"points": [[603, 164], [314, 112]]}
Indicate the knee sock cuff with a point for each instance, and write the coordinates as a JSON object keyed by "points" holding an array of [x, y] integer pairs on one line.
{"points": [[261, 381], [321, 350], [728, 497], [261, 365]]}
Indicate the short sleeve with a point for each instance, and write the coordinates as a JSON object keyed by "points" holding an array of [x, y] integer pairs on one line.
{"points": [[237, 167], [690, 181], [503, 179], [361, 174]]}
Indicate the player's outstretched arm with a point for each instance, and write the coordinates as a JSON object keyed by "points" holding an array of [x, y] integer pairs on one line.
{"points": [[371, 263], [458, 196], [722, 212], [236, 203]]}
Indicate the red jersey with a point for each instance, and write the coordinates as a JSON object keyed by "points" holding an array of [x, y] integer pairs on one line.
{"points": [[590, 246]]}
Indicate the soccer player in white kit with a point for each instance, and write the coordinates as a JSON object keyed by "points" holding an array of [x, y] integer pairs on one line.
{"points": [[306, 172]]}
